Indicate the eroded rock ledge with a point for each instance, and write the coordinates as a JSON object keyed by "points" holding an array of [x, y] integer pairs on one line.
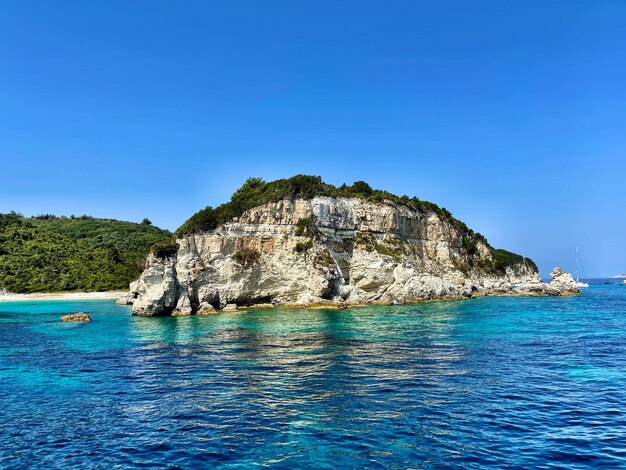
{"points": [[329, 251]]}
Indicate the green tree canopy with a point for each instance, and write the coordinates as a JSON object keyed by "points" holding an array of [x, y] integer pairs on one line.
{"points": [[48, 253]]}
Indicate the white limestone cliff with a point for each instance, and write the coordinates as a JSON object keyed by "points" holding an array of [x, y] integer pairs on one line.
{"points": [[326, 250]]}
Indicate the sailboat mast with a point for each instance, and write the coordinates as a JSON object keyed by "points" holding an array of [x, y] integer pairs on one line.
{"points": [[577, 264]]}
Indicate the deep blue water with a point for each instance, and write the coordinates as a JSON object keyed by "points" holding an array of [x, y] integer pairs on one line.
{"points": [[490, 382]]}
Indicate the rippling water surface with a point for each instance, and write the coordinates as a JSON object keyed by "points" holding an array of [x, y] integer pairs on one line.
{"points": [[491, 382]]}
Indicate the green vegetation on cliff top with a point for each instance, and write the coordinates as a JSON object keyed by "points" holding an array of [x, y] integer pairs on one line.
{"points": [[503, 259], [256, 192], [49, 253]]}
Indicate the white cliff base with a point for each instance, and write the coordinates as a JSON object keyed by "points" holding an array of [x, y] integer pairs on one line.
{"points": [[329, 251]]}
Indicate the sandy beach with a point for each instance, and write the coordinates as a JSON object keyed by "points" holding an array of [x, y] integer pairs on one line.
{"points": [[9, 297]]}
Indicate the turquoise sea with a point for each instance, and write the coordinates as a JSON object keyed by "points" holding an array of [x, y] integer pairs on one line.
{"points": [[489, 382]]}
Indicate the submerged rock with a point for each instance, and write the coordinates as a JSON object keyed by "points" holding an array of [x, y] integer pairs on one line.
{"points": [[80, 316], [331, 251]]}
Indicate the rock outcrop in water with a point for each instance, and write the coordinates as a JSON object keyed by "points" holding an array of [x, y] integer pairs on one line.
{"points": [[562, 283], [79, 316], [331, 251]]}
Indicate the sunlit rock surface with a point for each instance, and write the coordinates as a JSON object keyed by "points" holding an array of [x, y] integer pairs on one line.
{"points": [[329, 251]]}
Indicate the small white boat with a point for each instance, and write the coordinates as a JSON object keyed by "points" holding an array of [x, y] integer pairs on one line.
{"points": [[624, 282], [579, 283]]}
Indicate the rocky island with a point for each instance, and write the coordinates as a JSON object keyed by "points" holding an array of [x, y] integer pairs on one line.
{"points": [[302, 242]]}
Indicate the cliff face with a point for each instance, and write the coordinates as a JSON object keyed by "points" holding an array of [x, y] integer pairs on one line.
{"points": [[328, 250]]}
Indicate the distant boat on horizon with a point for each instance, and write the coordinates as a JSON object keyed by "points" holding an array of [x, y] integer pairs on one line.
{"points": [[578, 282]]}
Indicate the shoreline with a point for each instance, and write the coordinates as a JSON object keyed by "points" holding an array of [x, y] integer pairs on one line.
{"points": [[113, 295], [60, 296], [347, 306]]}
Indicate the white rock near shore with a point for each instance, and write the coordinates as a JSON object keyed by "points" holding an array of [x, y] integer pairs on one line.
{"points": [[344, 251], [562, 283]]}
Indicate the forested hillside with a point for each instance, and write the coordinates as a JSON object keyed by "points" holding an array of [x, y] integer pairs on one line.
{"points": [[49, 253]]}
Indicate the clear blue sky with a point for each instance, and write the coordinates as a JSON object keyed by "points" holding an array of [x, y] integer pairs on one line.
{"points": [[511, 114]]}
